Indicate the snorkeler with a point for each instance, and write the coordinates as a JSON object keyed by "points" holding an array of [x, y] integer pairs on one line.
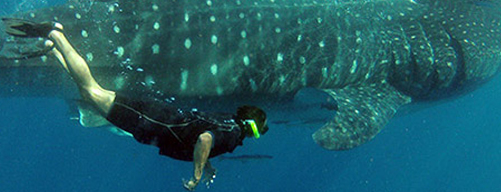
{"points": [[183, 135]]}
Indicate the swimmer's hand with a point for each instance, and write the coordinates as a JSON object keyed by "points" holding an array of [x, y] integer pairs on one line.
{"points": [[210, 175], [190, 184]]}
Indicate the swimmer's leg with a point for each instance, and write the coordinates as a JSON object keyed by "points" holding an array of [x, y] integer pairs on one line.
{"points": [[78, 69], [54, 52]]}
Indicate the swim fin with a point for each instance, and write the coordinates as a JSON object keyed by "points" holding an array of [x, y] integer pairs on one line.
{"points": [[90, 117], [24, 49], [25, 28]]}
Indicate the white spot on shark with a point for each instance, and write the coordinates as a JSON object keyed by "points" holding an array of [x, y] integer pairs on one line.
{"points": [[155, 49], [280, 57], [111, 8], [281, 79], [89, 56], [187, 43], [213, 69], [119, 82], [120, 51], [212, 18], [243, 34], [43, 58], [302, 60], [116, 29], [213, 39], [32, 15], [156, 26], [154, 7], [209, 2], [246, 60], [253, 85], [78, 16], [278, 30], [241, 15], [325, 71], [354, 66], [259, 16], [85, 34], [359, 40], [149, 81], [186, 17], [184, 80], [219, 90], [321, 44]]}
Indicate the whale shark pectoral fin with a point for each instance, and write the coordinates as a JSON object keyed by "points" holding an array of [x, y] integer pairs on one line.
{"points": [[362, 113], [90, 116]]}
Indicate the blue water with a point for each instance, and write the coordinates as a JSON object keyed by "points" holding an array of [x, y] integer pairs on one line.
{"points": [[452, 146]]}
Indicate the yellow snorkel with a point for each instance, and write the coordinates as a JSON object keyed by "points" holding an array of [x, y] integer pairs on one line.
{"points": [[253, 126]]}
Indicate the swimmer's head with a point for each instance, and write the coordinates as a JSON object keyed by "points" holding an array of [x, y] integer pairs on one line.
{"points": [[253, 120]]}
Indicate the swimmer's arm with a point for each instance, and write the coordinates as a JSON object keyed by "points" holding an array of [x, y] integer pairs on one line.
{"points": [[200, 156]]}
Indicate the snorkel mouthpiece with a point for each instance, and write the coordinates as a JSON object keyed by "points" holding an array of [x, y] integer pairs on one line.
{"points": [[253, 126]]}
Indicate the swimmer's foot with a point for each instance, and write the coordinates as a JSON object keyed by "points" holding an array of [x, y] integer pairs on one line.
{"points": [[25, 28]]}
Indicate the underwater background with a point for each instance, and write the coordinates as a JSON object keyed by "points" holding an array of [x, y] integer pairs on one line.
{"points": [[447, 146]]}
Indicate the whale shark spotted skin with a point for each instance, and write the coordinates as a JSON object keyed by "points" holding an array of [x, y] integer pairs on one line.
{"points": [[370, 57]]}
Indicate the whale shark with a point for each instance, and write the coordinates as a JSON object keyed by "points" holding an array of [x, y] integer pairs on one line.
{"points": [[370, 58]]}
